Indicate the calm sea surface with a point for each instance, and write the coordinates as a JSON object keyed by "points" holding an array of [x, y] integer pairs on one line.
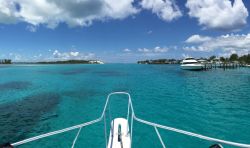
{"points": [[42, 98]]}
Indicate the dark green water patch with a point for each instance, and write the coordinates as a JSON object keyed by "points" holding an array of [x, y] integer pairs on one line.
{"points": [[48, 117], [110, 73], [46, 71], [15, 85], [18, 119], [74, 71]]}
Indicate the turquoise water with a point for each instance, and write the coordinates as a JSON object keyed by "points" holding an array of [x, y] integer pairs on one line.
{"points": [[42, 98]]}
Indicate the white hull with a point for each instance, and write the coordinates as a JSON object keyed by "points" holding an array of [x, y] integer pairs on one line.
{"points": [[124, 140], [192, 66]]}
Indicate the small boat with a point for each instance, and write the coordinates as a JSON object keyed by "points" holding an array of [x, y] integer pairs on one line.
{"points": [[121, 130], [191, 64]]}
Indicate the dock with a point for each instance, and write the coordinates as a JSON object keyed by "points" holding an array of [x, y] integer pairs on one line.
{"points": [[230, 65]]}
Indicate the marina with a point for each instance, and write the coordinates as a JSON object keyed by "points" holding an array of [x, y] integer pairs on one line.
{"points": [[201, 64]]}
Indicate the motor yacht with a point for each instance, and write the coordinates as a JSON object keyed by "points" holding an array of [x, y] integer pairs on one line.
{"points": [[191, 64]]}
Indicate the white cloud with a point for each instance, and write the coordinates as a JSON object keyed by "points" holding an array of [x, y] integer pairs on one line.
{"points": [[150, 32], [218, 14], [56, 54], [126, 50], [38, 57], [8, 12], [72, 55], [197, 39], [230, 42], [167, 10], [155, 50], [15, 56], [144, 50], [160, 50], [31, 28], [119, 9], [81, 12], [230, 52], [72, 12]]}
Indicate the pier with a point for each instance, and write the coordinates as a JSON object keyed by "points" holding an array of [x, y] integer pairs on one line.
{"points": [[229, 65]]}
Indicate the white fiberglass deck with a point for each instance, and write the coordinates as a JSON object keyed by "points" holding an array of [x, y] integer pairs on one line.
{"points": [[119, 136]]}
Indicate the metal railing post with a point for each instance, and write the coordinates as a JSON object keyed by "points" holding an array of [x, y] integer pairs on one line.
{"points": [[74, 142], [131, 130], [159, 136], [105, 130]]}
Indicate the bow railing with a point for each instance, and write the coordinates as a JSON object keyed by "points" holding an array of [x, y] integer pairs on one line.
{"points": [[133, 117]]}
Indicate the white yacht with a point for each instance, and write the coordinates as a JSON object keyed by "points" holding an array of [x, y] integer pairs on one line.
{"points": [[96, 62], [191, 64]]}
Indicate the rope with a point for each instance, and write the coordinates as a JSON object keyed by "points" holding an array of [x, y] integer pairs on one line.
{"points": [[159, 136], [135, 118], [73, 145]]}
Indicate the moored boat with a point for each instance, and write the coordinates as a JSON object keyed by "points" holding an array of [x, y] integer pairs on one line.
{"points": [[191, 64]]}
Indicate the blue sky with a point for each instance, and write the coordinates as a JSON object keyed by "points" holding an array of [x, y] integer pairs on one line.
{"points": [[127, 31]]}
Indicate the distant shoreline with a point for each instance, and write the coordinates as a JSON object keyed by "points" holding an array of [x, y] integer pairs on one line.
{"points": [[61, 62], [160, 61]]}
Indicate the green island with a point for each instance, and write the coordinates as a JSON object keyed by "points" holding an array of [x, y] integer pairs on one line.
{"points": [[160, 61], [8, 61], [70, 62], [5, 61]]}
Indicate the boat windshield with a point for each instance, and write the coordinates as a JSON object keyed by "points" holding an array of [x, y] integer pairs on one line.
{"points": [[189, 62], [189, 59]]}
